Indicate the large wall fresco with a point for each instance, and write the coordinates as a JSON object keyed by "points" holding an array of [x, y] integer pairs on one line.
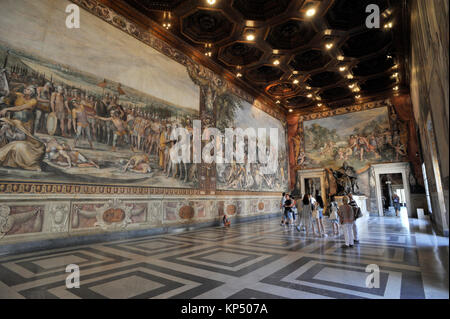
{"points": [[357, 138], [60, 123], [233, 112]]}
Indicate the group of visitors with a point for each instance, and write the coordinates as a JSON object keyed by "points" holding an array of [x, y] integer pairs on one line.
{"points": [[307, 215]]}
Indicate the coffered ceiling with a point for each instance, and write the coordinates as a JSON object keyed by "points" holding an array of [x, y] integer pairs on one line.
{"points": [[359, 64]]}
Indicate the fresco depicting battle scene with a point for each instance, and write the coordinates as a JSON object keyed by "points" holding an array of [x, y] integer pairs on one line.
{"points": [[232, 112], [62, 125], [354, 139]]}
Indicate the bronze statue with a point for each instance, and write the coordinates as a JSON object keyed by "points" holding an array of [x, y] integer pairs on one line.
{"points": [[346, 180]]}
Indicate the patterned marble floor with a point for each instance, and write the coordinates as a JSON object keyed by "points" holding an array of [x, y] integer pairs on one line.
{"points": [[251, 260]]}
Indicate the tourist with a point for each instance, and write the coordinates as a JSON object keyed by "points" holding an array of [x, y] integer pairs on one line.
{"points": [[346, 217], [306, 218], [288, 210], [283, 199], [334, 218], [319, 219], [226, 221], [396, 201], [294, 210], [356, 211]]}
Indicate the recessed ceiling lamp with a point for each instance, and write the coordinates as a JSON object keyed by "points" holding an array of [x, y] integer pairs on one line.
{"points": [[388, 25], [308, 88], [278, 102], [276, 62], [395, 88], [310, 95], [352, 85], [319, 104], [329, 45], [311, 12], [350, 76], [356, 89], [239, 74], [290, 110], [342, 68], [395, 75], [295, 81], [340, 58], [358, 96], [211, 2], [250, 35]]}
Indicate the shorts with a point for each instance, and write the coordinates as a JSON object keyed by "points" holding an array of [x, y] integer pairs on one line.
{"points": [[320, 213], [334, 221], [290, 215]]}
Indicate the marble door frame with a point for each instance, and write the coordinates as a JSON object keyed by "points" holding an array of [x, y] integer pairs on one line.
{"points": [[393, 168]]}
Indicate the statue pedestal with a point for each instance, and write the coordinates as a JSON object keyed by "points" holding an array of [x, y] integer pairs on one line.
{"points": [[361, 201]]}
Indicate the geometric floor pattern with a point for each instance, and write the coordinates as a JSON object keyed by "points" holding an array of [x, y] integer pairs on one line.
{"points": [[260, 260]]}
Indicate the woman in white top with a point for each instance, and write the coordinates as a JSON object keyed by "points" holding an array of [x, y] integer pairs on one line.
{"points": [[334, 218]]}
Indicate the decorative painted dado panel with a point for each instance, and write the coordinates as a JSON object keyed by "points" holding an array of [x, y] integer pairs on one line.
{"points": [[52, 217]]}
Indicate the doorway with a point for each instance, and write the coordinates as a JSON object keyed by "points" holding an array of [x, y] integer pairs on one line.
{"points": [[313, 187], [393, 195], [402, 189]]}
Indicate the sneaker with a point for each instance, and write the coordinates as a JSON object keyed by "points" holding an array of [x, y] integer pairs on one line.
{"points": [[356, 241]]}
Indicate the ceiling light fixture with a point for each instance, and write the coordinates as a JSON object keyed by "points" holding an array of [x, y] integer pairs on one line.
{"points": [[295, 81], [311, 12], [340, 58], [276, 62], [308, 88], [358, 96], [239, 74], [350, 76], [250, 35], [290, 110], [211, 2], [395, 88], [278, 102], [319, 104], [352, 85], [342, 68], [310, 95], [329, 46]]}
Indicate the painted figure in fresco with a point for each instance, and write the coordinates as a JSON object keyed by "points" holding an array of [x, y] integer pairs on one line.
{"points": [[139, 164], [101, 109], [80, 121], [60, 107], [21, 153], [120, 131], [44, 94], [63, 155], [24, 105]]}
